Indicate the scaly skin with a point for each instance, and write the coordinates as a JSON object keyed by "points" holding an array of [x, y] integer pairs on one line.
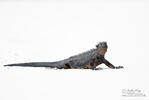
{"points": [[87, 60]]}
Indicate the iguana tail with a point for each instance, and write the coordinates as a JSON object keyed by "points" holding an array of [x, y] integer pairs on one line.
{"points": [[37, 64]]}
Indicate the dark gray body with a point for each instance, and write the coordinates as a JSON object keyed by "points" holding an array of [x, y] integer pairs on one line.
{"points": [[87, 60], [79, 60]]}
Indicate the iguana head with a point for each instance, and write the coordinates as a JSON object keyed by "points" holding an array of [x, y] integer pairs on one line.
{"points": [[102, 48]]}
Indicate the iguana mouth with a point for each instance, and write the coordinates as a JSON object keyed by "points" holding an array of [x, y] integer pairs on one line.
{"points": [[102, 51]]}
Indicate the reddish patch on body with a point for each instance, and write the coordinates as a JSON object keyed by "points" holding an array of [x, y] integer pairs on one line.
{"points": [[102, 51]]}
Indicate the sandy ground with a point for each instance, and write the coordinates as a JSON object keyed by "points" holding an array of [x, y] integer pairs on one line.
{"points": [[52, 30], [40, 83]]}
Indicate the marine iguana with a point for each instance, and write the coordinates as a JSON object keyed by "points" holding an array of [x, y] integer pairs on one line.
{"points": [[86, 60]]}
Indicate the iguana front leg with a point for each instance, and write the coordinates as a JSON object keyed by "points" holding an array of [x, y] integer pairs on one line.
{"points": [[106, 62]]}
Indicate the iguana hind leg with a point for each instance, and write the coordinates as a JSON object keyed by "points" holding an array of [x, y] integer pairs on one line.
{"points": [[66, 66]]}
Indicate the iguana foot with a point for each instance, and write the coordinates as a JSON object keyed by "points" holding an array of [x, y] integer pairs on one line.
{"points": [[118, 67]]}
